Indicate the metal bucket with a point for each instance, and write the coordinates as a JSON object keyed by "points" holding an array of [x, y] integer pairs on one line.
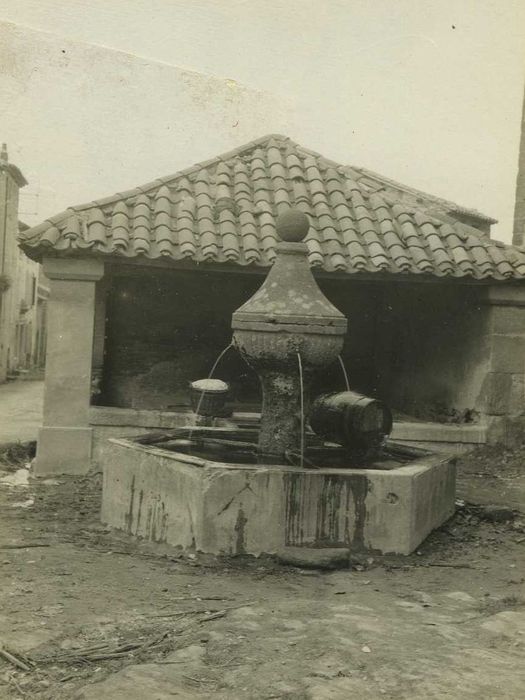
{"points": [[350, 419], [208, 396]]}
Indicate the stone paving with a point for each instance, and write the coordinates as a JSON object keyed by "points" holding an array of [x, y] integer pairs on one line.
{"points": [[416, 646]]}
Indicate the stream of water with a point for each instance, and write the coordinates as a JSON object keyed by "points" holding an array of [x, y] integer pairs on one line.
{"points": [[302, 406], [301, 380], [344, 372], [210, 376]]}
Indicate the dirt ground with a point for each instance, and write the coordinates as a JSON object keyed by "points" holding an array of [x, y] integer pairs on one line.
{"points": [[20, 410], [92, 614]]}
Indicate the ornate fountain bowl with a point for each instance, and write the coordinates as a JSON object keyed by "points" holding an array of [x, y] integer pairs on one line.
{"points": [[281, 344]]}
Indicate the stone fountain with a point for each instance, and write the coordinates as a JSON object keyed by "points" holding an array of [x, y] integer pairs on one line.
{"points": [[225, 489], [286, 332]]}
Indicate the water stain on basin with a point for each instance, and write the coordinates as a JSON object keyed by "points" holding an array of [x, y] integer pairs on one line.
{"points": [[325, 510], [129, 514]]}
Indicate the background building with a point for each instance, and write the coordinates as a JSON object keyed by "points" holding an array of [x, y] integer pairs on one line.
{"points": [[23, 287]]}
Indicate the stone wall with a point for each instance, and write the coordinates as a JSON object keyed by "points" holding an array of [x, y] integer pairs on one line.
{"points": [[431, 358], [419, 347], [503, 394], [165, 330]]}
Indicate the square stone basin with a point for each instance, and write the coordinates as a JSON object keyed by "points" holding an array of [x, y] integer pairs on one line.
{"points": [[227, 509]]}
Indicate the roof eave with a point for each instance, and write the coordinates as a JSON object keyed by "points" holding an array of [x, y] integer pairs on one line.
{"points": [[38, 253]]}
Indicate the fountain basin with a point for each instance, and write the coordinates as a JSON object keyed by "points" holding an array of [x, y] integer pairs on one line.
{"points": [[226, 509]]}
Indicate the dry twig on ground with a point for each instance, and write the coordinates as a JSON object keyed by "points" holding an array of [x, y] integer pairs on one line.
{"points": [[13, 659]]}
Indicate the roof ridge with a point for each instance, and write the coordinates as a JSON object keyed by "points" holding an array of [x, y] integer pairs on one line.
{"points": [[430, 197], [147, 187], [314, 154]]}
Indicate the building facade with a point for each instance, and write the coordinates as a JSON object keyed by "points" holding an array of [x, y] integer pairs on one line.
{"points": [[23, 287]]}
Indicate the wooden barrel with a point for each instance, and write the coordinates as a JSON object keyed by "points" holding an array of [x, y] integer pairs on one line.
{"points": [[350, 419]]}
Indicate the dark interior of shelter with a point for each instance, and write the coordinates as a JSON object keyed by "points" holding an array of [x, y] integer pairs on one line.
{"points": [[414, 345]]}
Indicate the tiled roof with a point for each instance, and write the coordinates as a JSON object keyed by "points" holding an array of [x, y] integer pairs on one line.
{"points": [[224, 210]]}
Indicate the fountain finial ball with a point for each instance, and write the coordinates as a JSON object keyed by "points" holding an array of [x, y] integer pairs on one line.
{"points": [[292, 226]]}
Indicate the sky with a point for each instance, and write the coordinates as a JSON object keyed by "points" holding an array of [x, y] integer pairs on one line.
{"points": [[426, 92], [84, 122]]}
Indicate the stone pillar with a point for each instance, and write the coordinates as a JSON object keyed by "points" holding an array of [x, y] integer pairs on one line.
{"points": [[64, 442], [503, 394], [280, 431]]}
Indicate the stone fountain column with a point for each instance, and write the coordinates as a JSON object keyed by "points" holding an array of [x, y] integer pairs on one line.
{"points": [[286, 319]]}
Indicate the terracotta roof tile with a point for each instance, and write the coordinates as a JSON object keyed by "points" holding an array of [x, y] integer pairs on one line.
{"points": [[96, 227], [391, 240], [224, 210], [50, 236], [356, 252], [463, 262], [399, 257], [73, 227]]}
